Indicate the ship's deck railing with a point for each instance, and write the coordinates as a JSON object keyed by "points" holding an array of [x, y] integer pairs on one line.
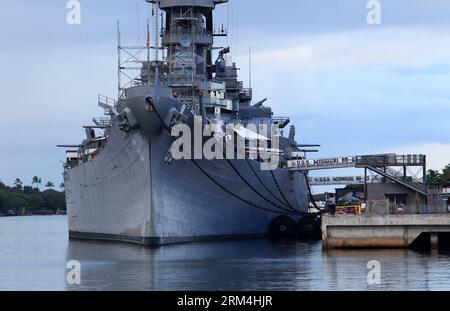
{"points": [[247, 92], [220, 32], [173, 35], [102, 121], [102, 99], [186, 32]]}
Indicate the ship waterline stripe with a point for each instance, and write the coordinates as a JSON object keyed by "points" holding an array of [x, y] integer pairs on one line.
{"points": [[157, 241]]}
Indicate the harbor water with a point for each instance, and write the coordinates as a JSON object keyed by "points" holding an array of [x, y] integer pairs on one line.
{"points": [[35, 251]]}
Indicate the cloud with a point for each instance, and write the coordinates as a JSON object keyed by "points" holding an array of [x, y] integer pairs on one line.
{"points": [[319, 63], [359, 91], [395, 46]]}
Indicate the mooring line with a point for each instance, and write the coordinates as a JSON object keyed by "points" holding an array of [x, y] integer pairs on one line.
{"points": [[262, 183]]}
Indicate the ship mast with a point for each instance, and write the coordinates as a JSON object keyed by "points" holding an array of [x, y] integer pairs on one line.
{"points": [[119, 62], [148, 49], [156, 20], [188, 39]]}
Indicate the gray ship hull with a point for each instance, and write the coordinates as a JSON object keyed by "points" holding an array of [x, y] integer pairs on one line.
{"points": [[129, 193]]}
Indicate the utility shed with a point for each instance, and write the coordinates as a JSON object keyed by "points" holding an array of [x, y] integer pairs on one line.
{"points": [[400, 198], [444, 199]]}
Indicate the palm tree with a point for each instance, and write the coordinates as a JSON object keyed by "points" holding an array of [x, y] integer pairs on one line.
{"points": [[35, 181], [434, 177], [62, 186], [18, 183], [49, 185], [39, 181]]}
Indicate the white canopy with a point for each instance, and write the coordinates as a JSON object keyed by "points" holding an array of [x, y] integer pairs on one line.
{"points": [[250, 135]]}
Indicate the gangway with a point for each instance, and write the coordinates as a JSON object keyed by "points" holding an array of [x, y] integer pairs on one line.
{"points": [[421, 189], [380, 164]]}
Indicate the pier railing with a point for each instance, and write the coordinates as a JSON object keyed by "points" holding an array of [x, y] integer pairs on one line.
{"points": [[384, 207]]}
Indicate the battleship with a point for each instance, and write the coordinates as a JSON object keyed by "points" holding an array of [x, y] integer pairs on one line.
{"points": [[123, 182]]}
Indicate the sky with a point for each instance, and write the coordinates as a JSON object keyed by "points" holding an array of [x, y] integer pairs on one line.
{"points": [[352, 87]]}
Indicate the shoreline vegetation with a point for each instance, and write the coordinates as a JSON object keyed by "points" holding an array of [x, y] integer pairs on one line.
{"points": [[29, 200]]}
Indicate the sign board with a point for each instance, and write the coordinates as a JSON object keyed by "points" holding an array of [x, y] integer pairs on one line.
{"points": [[342, 180], [320, 164]]}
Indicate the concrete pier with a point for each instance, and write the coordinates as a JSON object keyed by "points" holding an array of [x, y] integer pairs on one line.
{"points": [[391, 231]]}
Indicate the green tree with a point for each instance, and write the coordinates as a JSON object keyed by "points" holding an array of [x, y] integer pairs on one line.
{"points": [[29, 199], [49, 185], [4, 202], [35, 181], [446, 174], [27, 189], [18, 201], [18, 184], [37, 202], [54, 200], [434, 177]]}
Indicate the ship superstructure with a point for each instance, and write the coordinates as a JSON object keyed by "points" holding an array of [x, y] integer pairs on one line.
{"points": [[124, 182]]}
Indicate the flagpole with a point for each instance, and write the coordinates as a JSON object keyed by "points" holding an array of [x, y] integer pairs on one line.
{"points": [[148, 51]]}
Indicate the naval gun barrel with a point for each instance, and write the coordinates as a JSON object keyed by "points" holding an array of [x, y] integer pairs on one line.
{"points": [[260, 103]]}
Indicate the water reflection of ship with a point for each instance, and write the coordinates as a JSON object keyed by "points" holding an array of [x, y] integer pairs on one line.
{"points": [[252, 265], [234, 265]]}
